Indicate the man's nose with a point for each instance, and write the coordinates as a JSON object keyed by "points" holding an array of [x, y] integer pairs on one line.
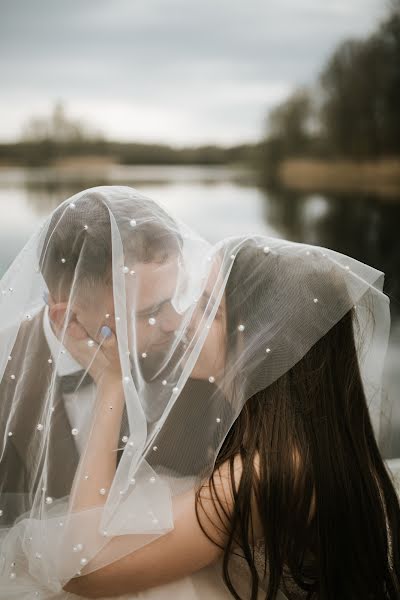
{"points": [[170, 320]]}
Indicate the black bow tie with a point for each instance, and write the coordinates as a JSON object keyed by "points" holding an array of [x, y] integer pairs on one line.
{"points": [[70, 383]]}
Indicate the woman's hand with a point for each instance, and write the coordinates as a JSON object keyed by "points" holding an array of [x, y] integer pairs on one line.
{"points": [[100, 357]]}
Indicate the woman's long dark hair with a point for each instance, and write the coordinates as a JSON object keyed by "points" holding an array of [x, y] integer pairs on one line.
{"points": [[329, 512]]}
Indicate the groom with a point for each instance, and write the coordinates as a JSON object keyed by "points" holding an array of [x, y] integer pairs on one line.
{"points": [[71, 259]]}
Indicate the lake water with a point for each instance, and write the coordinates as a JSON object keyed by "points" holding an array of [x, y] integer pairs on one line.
{"points": [[218, 202]]}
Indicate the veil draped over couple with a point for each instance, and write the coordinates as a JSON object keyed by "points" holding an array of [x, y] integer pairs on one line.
{"points": [[181, 420]]}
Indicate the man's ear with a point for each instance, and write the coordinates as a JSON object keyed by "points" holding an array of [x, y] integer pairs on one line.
{"points": [[57, 316]]}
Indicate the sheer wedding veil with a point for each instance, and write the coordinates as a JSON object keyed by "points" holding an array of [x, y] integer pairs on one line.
{"points": [[116, 260]]}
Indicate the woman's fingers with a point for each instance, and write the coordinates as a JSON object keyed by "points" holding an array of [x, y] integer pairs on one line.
{"points": [[106, 332]]}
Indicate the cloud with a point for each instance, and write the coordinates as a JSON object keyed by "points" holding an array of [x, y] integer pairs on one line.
{"points": [[178, 69]]}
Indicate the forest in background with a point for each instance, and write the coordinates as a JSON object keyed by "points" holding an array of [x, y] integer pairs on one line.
{"points": [[346, 126], [349, 119]]}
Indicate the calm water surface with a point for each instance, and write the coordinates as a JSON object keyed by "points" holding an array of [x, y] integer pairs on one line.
{"points": [[219, 202]]}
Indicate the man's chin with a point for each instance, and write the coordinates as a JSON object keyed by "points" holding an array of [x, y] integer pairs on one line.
{"points": [[154, 367], [159, 363]]}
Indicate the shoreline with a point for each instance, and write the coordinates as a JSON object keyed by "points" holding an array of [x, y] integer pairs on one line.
{"points": [[307, 175], [381, 177]]}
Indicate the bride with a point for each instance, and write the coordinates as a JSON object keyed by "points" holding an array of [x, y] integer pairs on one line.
{"points": [[186, 421]]}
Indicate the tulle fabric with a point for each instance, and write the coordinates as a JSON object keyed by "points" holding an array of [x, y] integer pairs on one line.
{"points": [[112, 247]]}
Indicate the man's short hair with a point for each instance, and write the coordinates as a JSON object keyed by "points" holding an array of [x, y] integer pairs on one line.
{"points": [[78, 241]]}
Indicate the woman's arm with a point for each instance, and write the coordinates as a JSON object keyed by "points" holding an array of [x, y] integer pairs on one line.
{"points": [[180, 552], [99, 460], [172, 556]]}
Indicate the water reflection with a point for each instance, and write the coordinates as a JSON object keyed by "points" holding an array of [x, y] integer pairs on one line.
{"points": [[364, 227], [219, 202]]}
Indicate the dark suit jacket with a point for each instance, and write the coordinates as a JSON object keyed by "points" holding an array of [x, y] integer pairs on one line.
{"points": [[23, 457]]}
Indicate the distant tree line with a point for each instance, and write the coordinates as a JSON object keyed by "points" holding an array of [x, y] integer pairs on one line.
{"points": [[47, 152], [45, 140], [353, 110]]}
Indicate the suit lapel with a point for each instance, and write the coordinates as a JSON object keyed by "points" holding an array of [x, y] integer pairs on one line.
{"points": [[33, 375]]}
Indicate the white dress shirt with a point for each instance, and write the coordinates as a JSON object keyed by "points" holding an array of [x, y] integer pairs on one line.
{"points": [[78, 405]]}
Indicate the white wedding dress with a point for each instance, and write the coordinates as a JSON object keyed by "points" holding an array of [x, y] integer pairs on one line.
{"points": [[205, 584], [208, 584]]}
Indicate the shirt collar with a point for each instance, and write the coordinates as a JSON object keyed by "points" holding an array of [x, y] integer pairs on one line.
{"points": [[65, 363]]}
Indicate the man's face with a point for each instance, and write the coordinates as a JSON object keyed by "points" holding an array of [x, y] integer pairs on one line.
{"points": [[211, 360], [151, 318]]}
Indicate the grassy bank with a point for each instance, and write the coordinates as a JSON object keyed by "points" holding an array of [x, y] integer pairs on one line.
{"points": [[380, 177]]}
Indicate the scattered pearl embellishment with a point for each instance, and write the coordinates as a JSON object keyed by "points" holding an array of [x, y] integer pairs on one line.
{"points": [[152, 479], [164, 382], [144, 354], [83, 561], [266, 250], [211, 379], [315, 300], [49, 500], [241, 327], [39, 427], [125, 269], [132, 223], [175, 390], [155, 448], [12, 376], [267, 350], [72, 205], [152, 321], [125, 439], [63, 260], [85, 227], [102, 491], [74, 431], [91, 343], [218, 420]]}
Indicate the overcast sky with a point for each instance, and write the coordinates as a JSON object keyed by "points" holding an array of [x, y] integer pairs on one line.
{"points": [[174, 71]]}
